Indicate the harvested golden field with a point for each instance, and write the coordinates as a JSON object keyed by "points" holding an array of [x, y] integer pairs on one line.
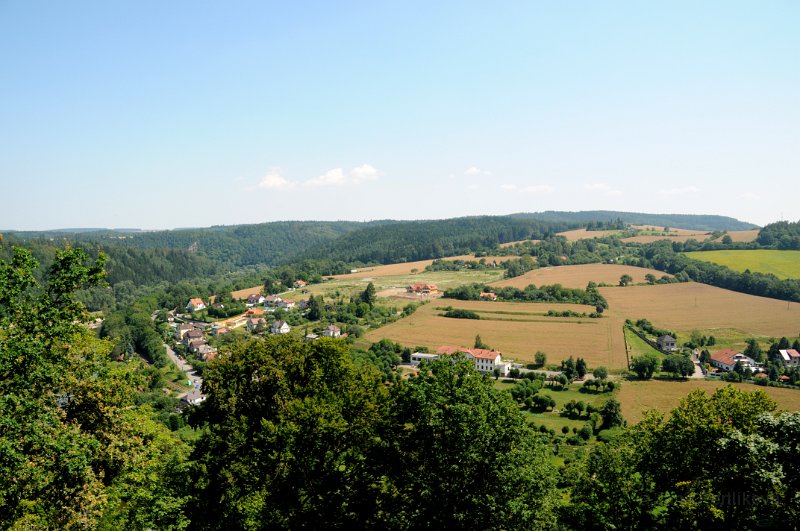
{"points": [[689, 306], [744, 235], [583, 234], [511, 244], [244, 293], [516, 336], [406, 268], [578, 276], [637, 397], [702, 236], [672, 231]]}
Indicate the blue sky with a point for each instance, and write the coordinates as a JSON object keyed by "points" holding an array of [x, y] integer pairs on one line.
{"points": [[167, 114]]}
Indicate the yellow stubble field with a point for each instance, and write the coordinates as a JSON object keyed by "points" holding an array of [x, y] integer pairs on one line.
{"points": [[689, 306], [516, 336], [578, 276], [637, 397]]}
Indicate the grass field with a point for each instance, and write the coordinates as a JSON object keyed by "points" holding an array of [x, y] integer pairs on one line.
{"points": [[638, 396], [638, 346], [782, 264], [578, 276], [515, 338]]}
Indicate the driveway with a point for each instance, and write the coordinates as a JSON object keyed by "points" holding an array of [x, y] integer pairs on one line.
{"points": [[196, 379]]}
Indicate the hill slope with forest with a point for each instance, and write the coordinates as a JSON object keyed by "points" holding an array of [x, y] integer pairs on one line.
{"points": [[677, 221]]}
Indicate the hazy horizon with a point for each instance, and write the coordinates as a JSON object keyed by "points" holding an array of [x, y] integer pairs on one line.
{"points": [[165, 115]]}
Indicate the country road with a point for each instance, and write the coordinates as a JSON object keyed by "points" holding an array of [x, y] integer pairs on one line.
{"points": [[186, 368]]}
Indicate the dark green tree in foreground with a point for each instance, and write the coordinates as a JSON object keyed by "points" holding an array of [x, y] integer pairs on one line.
{"points": [[368, 295], [646, 365], [74, 451]]}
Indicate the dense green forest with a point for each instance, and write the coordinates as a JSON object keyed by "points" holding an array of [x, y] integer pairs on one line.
{"points": [[676, 221], [294, 433], [782, 235], [420, 240]]}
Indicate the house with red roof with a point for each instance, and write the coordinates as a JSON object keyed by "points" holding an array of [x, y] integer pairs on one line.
{"points": [[422, 289], [488, 295], [727, 359], [485, 360]]}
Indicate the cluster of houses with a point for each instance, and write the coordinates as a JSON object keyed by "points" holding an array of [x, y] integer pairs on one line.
{"points": [[727, 359], [423, 290], [485, 360], [193, 338]]}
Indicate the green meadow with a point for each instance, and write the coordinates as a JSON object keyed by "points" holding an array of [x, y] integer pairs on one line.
{"points": [[782, 264]]}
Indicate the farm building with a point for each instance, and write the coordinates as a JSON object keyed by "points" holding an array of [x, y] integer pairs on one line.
{"points": [[726, 360], [667, 343], [422, 289]]}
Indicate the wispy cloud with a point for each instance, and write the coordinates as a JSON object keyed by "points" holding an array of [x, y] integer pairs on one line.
{"points": [[474, 171], [533, 188], [684, 190], [275, 180], [749, 195], [602, 188], [337, 177]]}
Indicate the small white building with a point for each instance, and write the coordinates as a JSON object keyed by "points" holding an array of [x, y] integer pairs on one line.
{"points": [[332, 331], [280, 327], [195, 305], [485, 360], [419, 357]]}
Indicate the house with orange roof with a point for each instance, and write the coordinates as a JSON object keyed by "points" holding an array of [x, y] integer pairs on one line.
{"points": [[299, 283], [489, 295], [422, 289], [195, 305]]}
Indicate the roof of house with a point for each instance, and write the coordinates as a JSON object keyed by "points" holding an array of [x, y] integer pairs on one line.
{"points": [[477, 353], [279, 323], [725, 356], [333, 328], [253, 297], [789, 353], [196, 302], [193, 333], [255, 321], [666, 338], [272, 298], [255, 311], [488, 294], [300, 282], [418, 287]]}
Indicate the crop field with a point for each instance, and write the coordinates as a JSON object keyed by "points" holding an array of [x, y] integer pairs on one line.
{"points": [[782, 264], [511, 244], [692, 306], [518, 335], [744, 235], [583, 234], [637, 397], [408, 268], [643, 238], [578, 276]]}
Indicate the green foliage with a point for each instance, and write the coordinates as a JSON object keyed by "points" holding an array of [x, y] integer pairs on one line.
{"points": [[554, 293], [646, 365], [458, 313], [678, 365]]}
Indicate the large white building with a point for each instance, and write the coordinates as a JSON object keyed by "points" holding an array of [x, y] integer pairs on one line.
{"points": [[485, 360]]}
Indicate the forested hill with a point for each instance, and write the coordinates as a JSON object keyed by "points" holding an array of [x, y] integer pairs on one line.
{"points": [[783, 235], [420, 240], [676, 221], [227, 246]]}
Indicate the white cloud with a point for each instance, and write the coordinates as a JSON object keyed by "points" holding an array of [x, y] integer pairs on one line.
{"points": [[539, 189], [365, 172], [679, 191], [614, 193], [474, 171], [749, 195], [275, 180], [473, 187], [337, 177], [509, 187], [603, 188]]}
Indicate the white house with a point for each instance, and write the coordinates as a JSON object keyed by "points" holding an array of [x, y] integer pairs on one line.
{"points": [[726, 360], [419, 357], [332, 331], [667, 343], [255, 298], [280, 327], [485, 360], [286, 304], [195, 305], [272, 300], [790, 357]]}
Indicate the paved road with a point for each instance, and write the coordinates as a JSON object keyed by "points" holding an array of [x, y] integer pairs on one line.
{"points": [[185, 367]]}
